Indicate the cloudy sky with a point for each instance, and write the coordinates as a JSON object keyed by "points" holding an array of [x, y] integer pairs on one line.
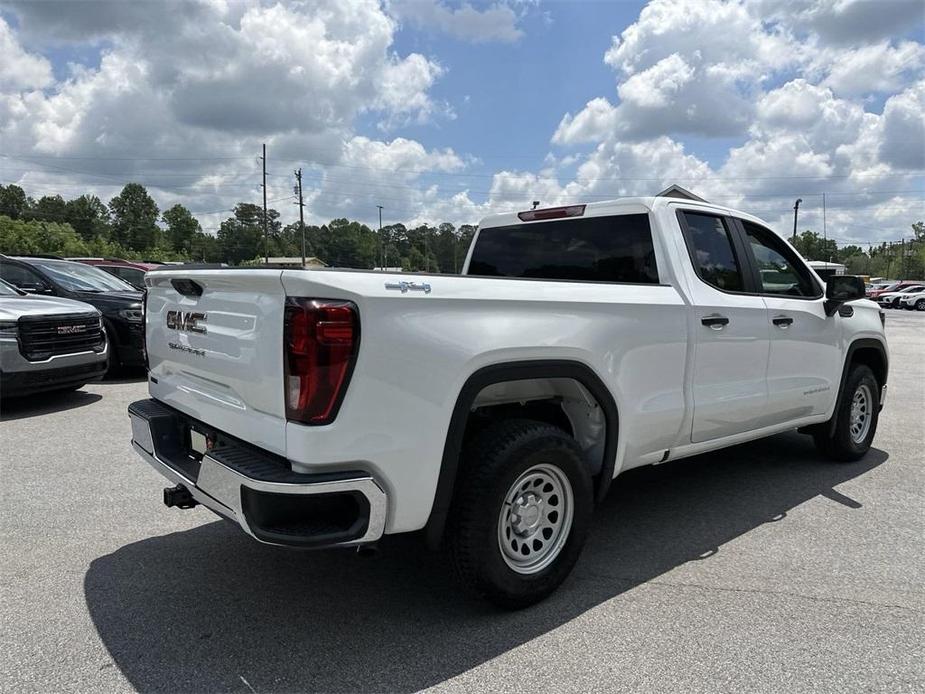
{"points": [[442, 110]]}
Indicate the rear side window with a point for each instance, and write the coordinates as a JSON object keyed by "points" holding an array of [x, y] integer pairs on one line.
{"points": [[593, 249], [712, 253]]}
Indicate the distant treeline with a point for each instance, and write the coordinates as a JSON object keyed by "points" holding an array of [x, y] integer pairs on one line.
{"points": [[131, 226]]}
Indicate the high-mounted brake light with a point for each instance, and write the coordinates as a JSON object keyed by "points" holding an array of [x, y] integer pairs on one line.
{"points": [[552, 213], [320, 341]]}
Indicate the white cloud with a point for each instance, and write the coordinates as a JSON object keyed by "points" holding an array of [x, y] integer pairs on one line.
{"points": [[210, 91], [903, 129], [718, 69], [495, 23], [880, 68], [18, 68], [594, 122], [790, 82], [842, 21]]}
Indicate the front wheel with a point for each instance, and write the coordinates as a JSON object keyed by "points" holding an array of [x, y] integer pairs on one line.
{"points": [[920, 305], [855, 418], [521, 513]]}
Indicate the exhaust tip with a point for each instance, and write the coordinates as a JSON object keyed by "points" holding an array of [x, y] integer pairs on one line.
{"points": [[368, 551]]}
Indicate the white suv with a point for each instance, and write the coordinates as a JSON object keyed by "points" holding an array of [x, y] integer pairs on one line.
{"points": [[892, 299], [913, 300]]}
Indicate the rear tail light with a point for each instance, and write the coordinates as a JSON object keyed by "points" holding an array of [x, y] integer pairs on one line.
{"points": [[321, 341], [552, 213]]}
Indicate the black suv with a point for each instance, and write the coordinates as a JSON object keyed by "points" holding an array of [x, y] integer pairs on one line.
{"points": [[118, 301]]}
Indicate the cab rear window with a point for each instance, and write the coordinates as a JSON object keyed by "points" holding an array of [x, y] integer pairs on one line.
{"points": [[589, 249]]}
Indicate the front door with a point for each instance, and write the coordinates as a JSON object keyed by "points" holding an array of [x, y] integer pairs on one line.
{"points": [[805, 362]]}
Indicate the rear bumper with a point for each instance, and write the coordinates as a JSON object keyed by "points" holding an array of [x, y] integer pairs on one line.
{"points": [[258, 490]]}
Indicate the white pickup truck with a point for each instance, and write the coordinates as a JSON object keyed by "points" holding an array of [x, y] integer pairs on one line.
{"points": [[492, 410]]}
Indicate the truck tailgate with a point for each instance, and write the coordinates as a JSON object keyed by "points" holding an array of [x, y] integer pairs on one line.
{"points": [[215, 345]]}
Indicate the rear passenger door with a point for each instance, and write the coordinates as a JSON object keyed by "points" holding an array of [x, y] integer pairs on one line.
{"points": [[805, 362], [731, 343]]}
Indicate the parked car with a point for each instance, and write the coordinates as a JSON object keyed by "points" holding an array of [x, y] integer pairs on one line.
{"points": [[492, 411], [913, 300], [876, 287], [891, 299], [892, 287], [131, 271], [47, 343], [118, 301]]}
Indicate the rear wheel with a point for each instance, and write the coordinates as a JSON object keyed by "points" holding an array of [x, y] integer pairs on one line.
{"points": [[521, 512], [855, 418]]}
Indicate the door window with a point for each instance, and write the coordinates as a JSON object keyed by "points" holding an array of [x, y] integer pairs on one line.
{"points": [[779, 270], [21, 277], [712, 252]]}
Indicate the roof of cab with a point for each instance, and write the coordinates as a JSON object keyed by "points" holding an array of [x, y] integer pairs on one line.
{"points": [[618, 206]]}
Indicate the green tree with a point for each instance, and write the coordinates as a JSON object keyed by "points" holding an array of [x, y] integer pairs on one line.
{"points": [[182, 228], [241, 237], [49, 208], [28, 237], [13, 201], [134, 218], [813, 247], [88, 216]]}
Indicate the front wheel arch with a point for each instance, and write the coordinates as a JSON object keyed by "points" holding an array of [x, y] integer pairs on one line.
{"points": [[868, 351]]}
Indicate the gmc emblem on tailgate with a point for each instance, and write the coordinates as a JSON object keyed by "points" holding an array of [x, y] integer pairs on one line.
{"points": [[186, 321]]}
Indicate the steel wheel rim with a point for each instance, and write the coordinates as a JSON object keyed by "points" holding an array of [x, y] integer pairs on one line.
{"points": [[535, 519], [861, 413]]}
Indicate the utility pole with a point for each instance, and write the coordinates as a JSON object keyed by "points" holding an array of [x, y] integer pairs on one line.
{"points": [[902, 259], [298, 177], [266, 227], [383, 253], [796, 210], [825, 238]]}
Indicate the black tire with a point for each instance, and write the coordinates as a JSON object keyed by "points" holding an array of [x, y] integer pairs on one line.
{"points": [[114, 367], [841, 445], [493, 461], [895, 303], [920, 305]]}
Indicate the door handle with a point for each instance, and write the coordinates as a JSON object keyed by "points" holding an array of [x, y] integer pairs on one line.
{"points": [[783, 322], [715, 321]]}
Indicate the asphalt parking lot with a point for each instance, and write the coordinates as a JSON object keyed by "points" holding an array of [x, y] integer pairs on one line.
{"points": [[760, 568]]}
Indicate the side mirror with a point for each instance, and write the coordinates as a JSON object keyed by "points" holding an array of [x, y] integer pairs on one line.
{"points": [[840, 289]]}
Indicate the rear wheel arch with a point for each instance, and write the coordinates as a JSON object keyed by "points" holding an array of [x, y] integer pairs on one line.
{"points": [[506, 372]]}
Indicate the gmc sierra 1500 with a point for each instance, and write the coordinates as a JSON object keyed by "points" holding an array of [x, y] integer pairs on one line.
{"points": [[492, 410]]}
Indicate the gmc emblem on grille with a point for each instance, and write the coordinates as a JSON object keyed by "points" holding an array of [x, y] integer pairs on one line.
{"points": [[71, 329], [186, 321]]}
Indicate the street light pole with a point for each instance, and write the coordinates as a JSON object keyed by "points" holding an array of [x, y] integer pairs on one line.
{"points": [[382, 250], [796, 211], [266, 227]]}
